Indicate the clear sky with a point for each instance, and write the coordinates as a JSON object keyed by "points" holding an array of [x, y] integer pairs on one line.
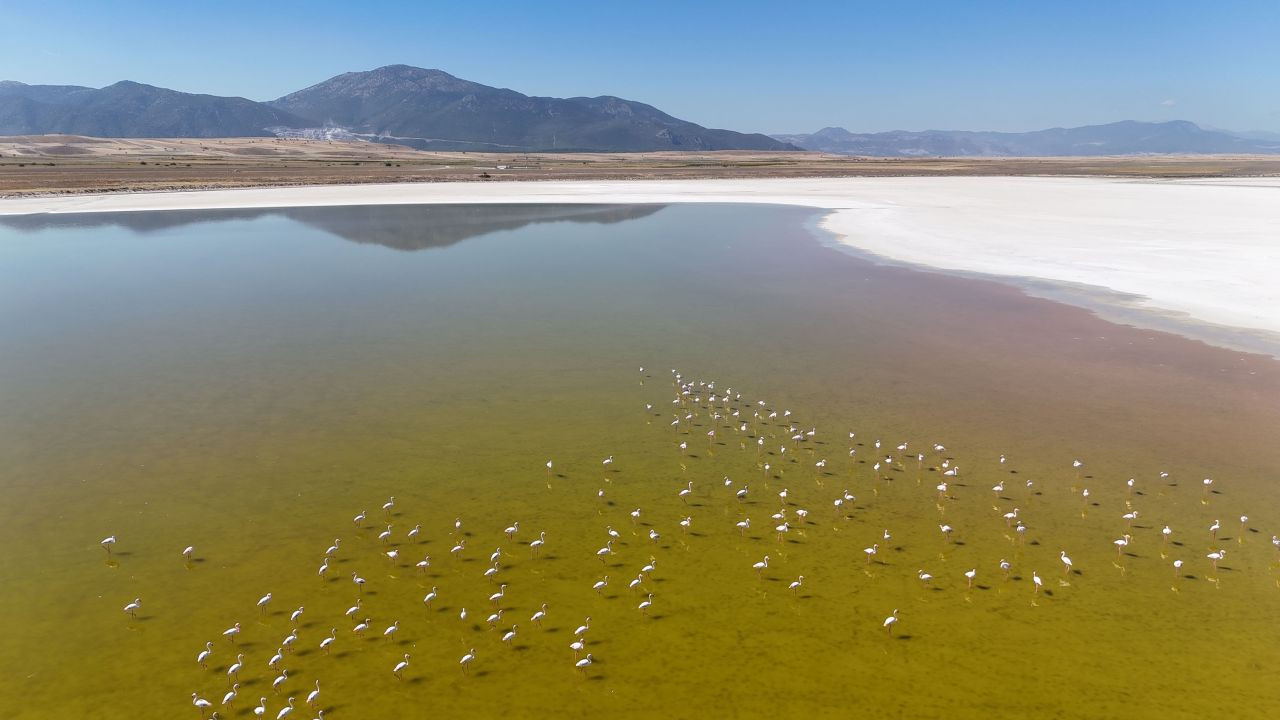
{"points": [[753, 66]]}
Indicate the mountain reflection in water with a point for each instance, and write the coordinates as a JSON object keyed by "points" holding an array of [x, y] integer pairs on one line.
{"points": [[400, 227]]}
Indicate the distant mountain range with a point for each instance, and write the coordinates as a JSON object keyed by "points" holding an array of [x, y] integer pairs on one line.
{"points": [[433, 110], [130, 109], [1119, 138], [426, 109]]}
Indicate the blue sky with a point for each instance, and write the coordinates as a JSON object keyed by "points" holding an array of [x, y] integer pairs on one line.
{"points": [[754, 66]]}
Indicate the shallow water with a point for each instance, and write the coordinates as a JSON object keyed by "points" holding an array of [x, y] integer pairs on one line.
{"points": [[246, 382]]}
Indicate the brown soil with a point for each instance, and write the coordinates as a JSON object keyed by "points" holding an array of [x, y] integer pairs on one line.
{"points": [[56, 164]]}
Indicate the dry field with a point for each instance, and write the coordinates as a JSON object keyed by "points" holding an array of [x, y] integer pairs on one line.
{"points": [[56, 164]]}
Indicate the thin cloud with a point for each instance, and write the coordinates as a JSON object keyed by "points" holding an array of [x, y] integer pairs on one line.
{"points": [[1169, 103]]}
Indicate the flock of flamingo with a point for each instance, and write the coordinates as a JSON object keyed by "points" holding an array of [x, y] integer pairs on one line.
{"points": [[700, 413]]}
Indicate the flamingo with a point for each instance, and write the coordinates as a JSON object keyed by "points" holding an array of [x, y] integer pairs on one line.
{"points": [[1121, 544], [359, 581], [684, 494], [262, 707], [970, 574], [204, 654], [871, 552], [497, 597], [536, 545], [314, 695], [539, 616], [325, 643], [644, 606], [760, 566], [512, 530], [187, 551], [234, 670], [890, 621], [601, 585], [1066, 562], [1035, 579], [391, 630], [584, 663], [275, 684], [230, 697], [400, 667], [510, 635], [132, 608], [200, 703], [583, 628], [293, 617], [794, 587], [107, 542], [284, 712], [231, 632], [262, 602], [470, 657], [924, 576], [1215, 556], [430, 596]]}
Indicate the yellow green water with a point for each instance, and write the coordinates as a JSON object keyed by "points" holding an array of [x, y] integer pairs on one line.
{"points": [[247, 382]]}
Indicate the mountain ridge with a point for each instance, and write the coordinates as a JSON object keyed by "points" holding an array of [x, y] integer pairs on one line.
{"points": [[1126, 137], [400, 104]]}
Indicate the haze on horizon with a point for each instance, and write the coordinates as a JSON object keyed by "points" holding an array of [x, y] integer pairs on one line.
{"points": [[749, 66]]}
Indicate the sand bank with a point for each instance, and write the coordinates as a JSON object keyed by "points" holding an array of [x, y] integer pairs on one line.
{"points": [[1199, 257]]}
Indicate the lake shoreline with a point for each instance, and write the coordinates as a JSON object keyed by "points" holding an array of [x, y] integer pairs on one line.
{"points": [[1183, 256]]}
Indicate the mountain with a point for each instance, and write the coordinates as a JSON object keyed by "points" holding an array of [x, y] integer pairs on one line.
{"points": [[426, 109], [1121, 138], [130, 109], [431, 109]]}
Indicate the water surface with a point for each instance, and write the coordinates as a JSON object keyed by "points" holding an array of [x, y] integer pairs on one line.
{"points": [[248, 381]]}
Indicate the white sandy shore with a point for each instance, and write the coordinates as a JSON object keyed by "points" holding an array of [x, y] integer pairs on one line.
{"points": [[1199, 257]]}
